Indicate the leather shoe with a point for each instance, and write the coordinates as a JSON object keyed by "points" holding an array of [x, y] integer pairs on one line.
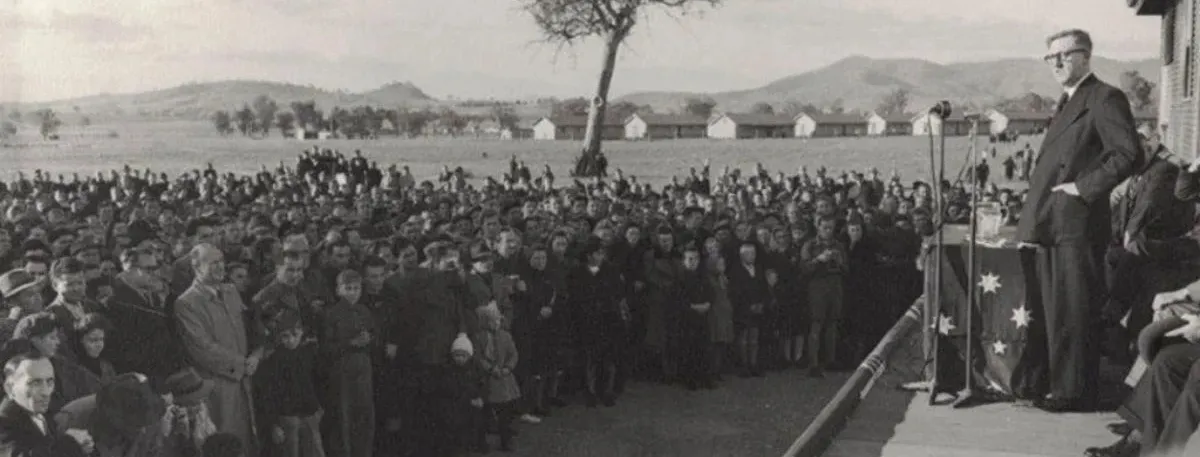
{"points": [[1124, 447], [1063, 405], [1120, 428]]}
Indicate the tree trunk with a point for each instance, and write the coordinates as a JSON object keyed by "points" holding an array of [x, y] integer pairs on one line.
{"points": [[595, 125]]}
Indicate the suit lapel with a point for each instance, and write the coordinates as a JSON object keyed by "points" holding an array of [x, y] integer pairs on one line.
{"points": [[21, 418], [1074, 109]]}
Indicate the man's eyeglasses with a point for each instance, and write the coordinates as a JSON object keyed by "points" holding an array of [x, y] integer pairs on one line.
{"points": [[1062, 56]]}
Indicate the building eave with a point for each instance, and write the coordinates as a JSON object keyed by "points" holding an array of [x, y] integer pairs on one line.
{"points": [[1149, 7]]}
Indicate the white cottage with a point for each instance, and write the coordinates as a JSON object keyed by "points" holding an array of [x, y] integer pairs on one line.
{"points": [[574, 128], [824, 125], [889, 124], [665, 126], [741, 126]]}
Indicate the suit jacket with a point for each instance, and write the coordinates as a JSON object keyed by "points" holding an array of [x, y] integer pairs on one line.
{"points": [[20, 437], [1151, 211], [143, 320], [213, 330], [1092, 142]]}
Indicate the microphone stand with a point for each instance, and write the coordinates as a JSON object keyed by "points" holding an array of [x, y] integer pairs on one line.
{"points": [[933, 302], [966, 397]]}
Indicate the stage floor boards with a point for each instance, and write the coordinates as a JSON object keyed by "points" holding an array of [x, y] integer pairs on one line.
{"points": [[894, 423]]}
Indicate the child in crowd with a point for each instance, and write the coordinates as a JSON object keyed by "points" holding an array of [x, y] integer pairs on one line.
{"points": [[549, 334], [460, 426], [696, 297], [824, 260], [285, 389], [348, 330], [497, 358]]}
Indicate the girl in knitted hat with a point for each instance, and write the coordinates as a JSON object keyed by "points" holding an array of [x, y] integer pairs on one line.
{"points": [[459, 426], [497, 358]]}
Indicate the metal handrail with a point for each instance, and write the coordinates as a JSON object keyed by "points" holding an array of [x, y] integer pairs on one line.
{"points": [[820, 432]]}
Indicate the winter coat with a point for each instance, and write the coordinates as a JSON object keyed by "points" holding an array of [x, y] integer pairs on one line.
{"points": [[496, 355]]}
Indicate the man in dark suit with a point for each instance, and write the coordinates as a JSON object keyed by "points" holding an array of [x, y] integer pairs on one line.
{"points": [[25, 431], [1146, 215], [1089, 148], [1163, 411]]}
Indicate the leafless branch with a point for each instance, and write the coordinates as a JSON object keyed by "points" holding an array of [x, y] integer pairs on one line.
{"points": [[567, 21]]}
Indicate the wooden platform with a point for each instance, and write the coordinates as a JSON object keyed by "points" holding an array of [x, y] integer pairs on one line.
{"points": [[894, 423], [904, 425]]}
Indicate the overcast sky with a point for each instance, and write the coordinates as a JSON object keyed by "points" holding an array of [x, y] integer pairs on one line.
{"points": [[52, 49]]}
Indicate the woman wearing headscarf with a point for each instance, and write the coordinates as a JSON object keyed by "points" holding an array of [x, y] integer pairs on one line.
{"points": [[88, 340]]}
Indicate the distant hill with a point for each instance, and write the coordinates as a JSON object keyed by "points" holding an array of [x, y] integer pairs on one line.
{"points": [[861, 82], [200, 100]]}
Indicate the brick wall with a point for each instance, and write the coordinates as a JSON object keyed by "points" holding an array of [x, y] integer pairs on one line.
{"points": [[1182, 123]]}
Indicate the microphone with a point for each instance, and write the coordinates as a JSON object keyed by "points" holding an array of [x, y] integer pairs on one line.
{"points": [[942, 109]]}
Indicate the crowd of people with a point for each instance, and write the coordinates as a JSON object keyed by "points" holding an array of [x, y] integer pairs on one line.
{"points": [[335, 308]]}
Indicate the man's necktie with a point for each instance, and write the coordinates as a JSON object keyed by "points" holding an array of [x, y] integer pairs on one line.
{"points": [[1062, 101]]}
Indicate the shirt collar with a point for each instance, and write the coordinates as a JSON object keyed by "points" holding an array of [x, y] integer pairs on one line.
{"points": [[1071, 89]]}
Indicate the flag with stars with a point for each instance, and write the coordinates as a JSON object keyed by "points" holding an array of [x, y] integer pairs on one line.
{"points": [[1001, 320]]}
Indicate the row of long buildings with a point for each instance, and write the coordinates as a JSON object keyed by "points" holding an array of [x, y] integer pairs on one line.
{"points": [[820, 125]]}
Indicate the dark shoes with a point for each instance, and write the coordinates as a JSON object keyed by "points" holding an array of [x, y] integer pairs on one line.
{"points": [[1125, 447], [1065, 405], [609, 402], [1120, 428]]}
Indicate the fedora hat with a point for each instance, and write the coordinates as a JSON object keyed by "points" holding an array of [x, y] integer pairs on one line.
{"points": [[188, 387], [128, 403], [15, 282]]}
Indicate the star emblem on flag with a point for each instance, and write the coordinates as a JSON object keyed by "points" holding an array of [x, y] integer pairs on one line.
{"points": [[990, 283], [944, 324], [1021, 316], [999, 347]]}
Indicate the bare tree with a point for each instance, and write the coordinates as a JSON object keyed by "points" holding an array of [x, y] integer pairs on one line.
{"points": [[244, 119], [838, 106], [286, 121], [7, 129], [700, 106], [565, 22], [223, 122], [762, 108], [794, 107], [894, 102], [1139, 90], [265, 109], [48, 122]]}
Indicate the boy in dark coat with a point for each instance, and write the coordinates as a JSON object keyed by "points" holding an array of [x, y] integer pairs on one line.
{"points": [[695, 299], [286, 391], [346, 342]]}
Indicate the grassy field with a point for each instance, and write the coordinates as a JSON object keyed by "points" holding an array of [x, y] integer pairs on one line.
{"points": [[177, 146]]}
